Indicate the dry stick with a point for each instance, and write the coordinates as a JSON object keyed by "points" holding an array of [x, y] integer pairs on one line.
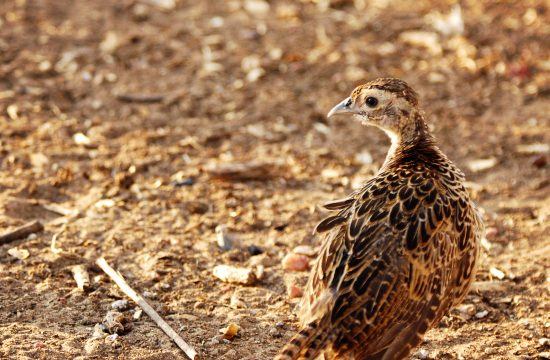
{"points": [[22, 232], [140, 98], [119, 280]]}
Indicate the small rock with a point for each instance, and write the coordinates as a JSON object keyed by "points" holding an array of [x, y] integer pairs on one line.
{"points": [[81, 139], [449, 24], [260, 272], [234, 275], [99, 331], [236, 303], [274, 332], [540, 161], [13, 112], [263, 260], [491, 286], [257, 7], [230, 331], [105, 203], [137, 314], [20, 254], [109, 44], [364, 158], [305, 250], [482, 164], [422, 354], [466, 311], [111, 338], [295, 262], [120, 305], [436, 78], [215, 340], [255, 250], [482, 314], [486, 244], [114, 322], [163, 4], [81, 277], [489, 350], [183, 182], [497, 273], [544, 355], [491, 233], [188, 317], [544, 341], [150, 294], [536, 148], [140, 12], [223, 238], [422, 39], [294, 291]]}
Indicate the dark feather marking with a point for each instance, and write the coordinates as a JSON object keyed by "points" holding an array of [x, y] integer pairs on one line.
{"points": [[329, 223]]}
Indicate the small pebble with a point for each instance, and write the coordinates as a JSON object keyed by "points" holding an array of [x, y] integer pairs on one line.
{"points": [[99, 331], [234, 275], [540, 161], [137, 314], [120, 305], [20, 254], [491, 233], [466, 311], [150, 294], [544, 341], [305, 250], [111, 338], [294, 291], [113, 322], [236, 303], [184, 182], [482, 314], [422, 354], [295, 262], [274, 332], [255, 250], [497, 273], [260, 272], [230, 331], [224, 240], [544, 355]]}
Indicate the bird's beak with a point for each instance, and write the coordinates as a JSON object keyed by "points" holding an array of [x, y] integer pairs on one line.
{"points": [[345, 107]]}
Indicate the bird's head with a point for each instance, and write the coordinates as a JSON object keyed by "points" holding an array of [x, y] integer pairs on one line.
{"points": [[387, 103]]}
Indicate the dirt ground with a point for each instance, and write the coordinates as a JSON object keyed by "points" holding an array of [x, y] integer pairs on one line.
{"points": [[121, 112]]}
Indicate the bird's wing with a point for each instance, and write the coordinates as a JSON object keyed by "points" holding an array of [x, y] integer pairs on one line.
{"points": [[385, 255]]}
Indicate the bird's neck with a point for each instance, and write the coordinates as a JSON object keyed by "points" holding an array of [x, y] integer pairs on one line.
{"points": [[413, 136]]}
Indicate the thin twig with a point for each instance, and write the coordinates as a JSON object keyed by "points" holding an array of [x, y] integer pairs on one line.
{"points": [[22, 232], [119, 280], [71, 216], [140, 98]]}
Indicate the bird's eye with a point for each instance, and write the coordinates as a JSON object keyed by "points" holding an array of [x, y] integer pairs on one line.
{"points": [[371, 101]]}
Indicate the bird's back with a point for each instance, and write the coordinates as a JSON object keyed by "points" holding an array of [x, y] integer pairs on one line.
{"points": [[396, 256]]}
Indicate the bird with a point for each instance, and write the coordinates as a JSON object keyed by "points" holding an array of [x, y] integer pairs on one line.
{"points": [[397, 254]]}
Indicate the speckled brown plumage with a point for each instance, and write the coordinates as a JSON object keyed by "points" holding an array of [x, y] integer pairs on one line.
{"points": [[396, 254]]}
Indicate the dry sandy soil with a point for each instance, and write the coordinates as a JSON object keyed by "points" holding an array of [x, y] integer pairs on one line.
{"points": [[238, 81]]}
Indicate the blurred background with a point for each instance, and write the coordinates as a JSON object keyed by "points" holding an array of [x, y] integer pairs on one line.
{"points": [[158, 121]]}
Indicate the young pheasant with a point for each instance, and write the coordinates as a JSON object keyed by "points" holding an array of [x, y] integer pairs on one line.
{"points": [[398, 253]]}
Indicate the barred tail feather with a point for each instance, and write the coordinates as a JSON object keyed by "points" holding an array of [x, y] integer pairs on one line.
{"points": [[307, 344]]}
